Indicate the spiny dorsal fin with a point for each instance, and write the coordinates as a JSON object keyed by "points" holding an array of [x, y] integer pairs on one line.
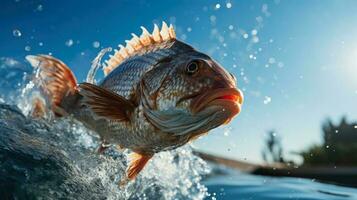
{"points": [[136, 44]]}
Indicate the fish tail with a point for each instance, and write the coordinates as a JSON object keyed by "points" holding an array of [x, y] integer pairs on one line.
{"points": [[55, 79]]}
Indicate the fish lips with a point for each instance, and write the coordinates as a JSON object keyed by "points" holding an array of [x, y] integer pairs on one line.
{"points": [[229, 100]]}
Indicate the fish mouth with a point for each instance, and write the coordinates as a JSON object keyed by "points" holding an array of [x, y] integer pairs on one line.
{"points": [[230, 99]]}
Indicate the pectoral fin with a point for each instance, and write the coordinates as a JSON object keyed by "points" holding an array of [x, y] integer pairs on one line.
{"points": [[105, 103]]}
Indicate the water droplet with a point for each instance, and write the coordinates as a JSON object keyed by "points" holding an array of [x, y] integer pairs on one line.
{"points": [[230, 27], [27, 48], [227, 131], [327, 146], [16, 33], [189, 29], [39, 8], [213, 18], [280, 64], [255, 39], [40, 44], [229, 5], [245, 35], [69, 42], [267, 100], [271, 60], [264, 8], [96, 44], [217, 6], [254, 32]]}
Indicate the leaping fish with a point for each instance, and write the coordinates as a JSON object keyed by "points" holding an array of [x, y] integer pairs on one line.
{"points": [[158, 94]]}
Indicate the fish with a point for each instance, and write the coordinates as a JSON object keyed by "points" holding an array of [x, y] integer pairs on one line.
{"points": [[158, 93]]}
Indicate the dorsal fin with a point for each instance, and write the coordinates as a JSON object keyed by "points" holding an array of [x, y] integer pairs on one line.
{"points": [[138, 44]]}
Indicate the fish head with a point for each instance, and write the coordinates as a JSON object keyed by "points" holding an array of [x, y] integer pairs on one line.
{"points": [[193, 95]]}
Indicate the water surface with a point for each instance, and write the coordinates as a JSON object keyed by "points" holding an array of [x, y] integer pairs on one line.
{"points": [[235, 185]]}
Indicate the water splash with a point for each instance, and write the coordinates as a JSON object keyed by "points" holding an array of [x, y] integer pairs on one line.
{"points": [[96, 64]]}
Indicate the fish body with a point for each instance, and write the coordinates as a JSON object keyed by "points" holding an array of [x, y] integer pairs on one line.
{"points": [[158, 94]]}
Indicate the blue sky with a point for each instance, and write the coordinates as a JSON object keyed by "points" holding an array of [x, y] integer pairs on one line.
{"points": [[296, 61]]}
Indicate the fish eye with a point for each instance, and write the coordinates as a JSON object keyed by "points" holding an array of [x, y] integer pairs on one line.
{"points": [[192, 67]]}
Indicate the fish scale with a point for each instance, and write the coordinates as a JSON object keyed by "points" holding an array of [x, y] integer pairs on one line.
{"points": [[129, 73]]}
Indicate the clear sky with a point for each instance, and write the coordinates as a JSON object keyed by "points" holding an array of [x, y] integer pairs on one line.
{"points": [[295, 60]]}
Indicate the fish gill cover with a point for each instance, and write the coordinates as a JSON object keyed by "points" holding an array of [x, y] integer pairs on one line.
{"points": [[56, 158]]}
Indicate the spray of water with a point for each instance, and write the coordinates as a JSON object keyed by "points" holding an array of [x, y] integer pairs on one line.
{"points": [[96, 64]]}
